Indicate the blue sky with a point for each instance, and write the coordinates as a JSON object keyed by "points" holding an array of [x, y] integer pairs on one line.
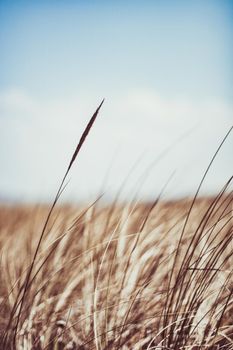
{"points": [[56, 47], [164, 67]]}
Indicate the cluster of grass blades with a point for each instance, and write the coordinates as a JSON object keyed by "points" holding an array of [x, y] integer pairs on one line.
{"points": [[134, 276]]}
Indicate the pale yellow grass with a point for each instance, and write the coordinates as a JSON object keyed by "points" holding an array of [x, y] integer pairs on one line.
{"points": [[117, 277]]}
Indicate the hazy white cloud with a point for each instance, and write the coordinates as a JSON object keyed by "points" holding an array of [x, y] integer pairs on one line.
{"points": [[38, 138]]}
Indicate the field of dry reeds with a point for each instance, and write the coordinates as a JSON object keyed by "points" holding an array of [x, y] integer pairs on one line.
{"points": [[134, 276]]}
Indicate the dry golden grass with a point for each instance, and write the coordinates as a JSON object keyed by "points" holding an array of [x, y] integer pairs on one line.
{"points": [[133, 276], [119, 277]]}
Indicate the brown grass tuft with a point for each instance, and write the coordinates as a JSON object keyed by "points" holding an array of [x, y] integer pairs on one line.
{"points": [[103, 280]]}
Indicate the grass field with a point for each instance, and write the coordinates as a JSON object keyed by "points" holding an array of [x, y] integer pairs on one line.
{"points": [[136, 276], [123, 276]]}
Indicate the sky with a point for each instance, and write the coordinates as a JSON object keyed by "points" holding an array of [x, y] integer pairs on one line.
{"points": [[165, 71]]}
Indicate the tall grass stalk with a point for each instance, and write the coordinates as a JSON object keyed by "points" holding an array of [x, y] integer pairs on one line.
{"points": [[135, 276]]}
